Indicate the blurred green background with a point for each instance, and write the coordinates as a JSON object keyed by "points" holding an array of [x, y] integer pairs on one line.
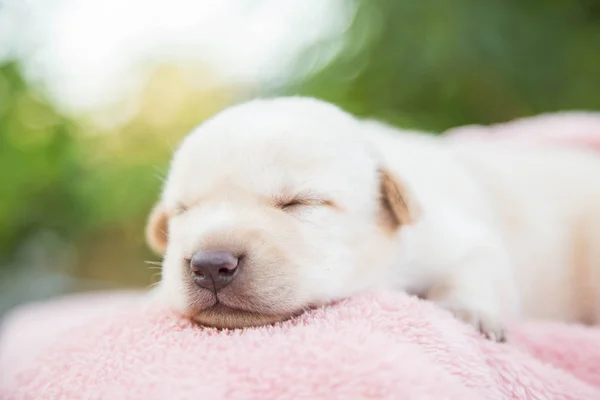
{"points": [[83, 148]]}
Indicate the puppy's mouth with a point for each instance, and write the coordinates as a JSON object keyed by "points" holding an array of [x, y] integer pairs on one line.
{"points": [[222, 316]]}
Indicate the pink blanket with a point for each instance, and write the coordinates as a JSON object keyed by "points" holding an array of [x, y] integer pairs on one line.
{"points": [[385, 345]]}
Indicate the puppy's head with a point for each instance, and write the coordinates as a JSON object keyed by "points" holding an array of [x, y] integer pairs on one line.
{"points": [[270, 208]]}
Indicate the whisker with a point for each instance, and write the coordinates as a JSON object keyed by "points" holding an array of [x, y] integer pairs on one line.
{"points": [[156, 277], [158, 263], [160, 173], [170, 144], [152, 285], [160, 177]]}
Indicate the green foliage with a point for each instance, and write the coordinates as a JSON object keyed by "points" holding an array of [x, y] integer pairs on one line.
{"points": [[37, 165], [436, 64]]}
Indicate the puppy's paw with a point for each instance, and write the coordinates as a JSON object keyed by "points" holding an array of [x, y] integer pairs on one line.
{"points": [[489, 325]]}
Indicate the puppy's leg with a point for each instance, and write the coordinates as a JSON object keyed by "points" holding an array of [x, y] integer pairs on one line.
{"points": [[480, 290]]}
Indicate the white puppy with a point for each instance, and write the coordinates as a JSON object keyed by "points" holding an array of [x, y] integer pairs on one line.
{"points": [[275, 206]]}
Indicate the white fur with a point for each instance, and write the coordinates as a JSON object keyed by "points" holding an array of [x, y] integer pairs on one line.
{"points": [[490, 241]]}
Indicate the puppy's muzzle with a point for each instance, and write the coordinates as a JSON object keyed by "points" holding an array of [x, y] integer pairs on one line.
{"points": [[213, 270]]}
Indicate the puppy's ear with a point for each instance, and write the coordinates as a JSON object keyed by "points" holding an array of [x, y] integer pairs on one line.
{"points": [[397, 206], [157, 229]]}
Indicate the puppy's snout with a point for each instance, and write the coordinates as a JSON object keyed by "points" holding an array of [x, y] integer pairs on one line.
{"points": [[214, 270]]}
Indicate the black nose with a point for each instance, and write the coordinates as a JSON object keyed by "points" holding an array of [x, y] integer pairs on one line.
{"points": [[213, 270]]}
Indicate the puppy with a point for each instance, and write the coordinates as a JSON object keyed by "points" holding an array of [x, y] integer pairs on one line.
{"points": [[276, 206]]}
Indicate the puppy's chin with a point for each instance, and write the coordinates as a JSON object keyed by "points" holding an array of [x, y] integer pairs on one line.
{"points": [[225, 317]]}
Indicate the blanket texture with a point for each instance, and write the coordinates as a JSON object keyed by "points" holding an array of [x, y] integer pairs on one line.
{"points": [[376, 346], [381, 346]]}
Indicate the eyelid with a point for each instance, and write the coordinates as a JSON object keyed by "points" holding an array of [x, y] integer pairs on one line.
{"points": [[180, 209], [306, 200]]}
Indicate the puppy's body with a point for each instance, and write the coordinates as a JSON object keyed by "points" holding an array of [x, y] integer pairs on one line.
{"points": [[319, 205], [539, 206], [546, 207]]}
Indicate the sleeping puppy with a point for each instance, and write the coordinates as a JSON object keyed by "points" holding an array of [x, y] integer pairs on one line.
{"points": [[276, 206]]}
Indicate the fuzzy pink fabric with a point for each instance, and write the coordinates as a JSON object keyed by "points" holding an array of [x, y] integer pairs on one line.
{"points": [[33, 327], [380, 346], [564, 128]]}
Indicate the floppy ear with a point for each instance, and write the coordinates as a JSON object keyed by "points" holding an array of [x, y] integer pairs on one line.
{"points": [[397, 206], [157, 229]]}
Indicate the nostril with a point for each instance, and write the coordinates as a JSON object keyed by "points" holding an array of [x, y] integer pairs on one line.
{"points": [[227, 272]]}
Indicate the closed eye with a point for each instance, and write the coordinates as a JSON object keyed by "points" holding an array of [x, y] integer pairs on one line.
{"points": [[303, 201], [292, 203], [180, 209]]}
